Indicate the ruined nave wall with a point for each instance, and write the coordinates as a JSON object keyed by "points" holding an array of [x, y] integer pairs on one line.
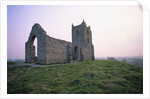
{"points": [[57, 50]]}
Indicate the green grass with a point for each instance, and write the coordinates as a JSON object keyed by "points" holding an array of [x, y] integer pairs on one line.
{"points": [[89, 77]]}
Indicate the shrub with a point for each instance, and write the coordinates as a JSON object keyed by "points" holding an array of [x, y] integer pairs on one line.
{"points": [[11, 63]]}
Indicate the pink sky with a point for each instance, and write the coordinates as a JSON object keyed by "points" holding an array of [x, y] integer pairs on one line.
{"points": [[116, 30]]}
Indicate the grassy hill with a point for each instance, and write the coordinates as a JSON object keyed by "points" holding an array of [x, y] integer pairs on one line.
{"points": [[89, 77]]}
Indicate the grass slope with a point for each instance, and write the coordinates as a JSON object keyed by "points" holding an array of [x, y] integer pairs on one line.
{"points": [[91, 77]]}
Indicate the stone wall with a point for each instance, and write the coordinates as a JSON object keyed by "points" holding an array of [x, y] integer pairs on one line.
{"points": [[58, 50], [37, 31], [88, 52]]}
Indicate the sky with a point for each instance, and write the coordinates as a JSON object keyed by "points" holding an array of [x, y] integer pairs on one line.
{"points": [[116, 29]]}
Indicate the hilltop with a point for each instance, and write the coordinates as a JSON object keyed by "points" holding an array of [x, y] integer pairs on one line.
{"points": [[89, 77]]}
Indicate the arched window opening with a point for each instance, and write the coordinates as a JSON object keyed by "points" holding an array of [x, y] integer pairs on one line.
{"points": [[35, 44], [77, 32], [87, 40], [34, 48], [76, 49], [87, 33]]}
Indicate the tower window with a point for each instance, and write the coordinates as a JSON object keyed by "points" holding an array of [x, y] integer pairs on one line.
{"points": [[77, 32], [76, 49], [87, 33], [87, 40]]}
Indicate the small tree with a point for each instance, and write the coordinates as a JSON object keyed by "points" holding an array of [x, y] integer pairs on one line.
{"points": [[112, 59], [124, 60]]}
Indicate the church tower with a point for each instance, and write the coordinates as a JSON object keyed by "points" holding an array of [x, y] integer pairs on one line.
{"points": [[82, 47]]}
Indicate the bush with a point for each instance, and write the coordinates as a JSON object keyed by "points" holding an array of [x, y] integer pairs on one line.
{"points": [[11, 63], [112, 59]]}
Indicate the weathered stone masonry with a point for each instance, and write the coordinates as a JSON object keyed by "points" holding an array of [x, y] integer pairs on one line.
{"points": [[51, 50]]}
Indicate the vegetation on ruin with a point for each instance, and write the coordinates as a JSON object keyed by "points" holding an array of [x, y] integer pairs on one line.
{"points": [[89, 77]]}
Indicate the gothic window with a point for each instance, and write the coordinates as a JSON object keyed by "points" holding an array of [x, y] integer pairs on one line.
{"points": [[87, 33], [87, 40], [76, 49], [77, 32], [34, 43]]}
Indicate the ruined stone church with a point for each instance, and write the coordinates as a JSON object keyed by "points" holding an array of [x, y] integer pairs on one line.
{"points": [[52, 50]]}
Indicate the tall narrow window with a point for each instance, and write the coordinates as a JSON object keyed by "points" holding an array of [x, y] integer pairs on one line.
{"points": [[76, 49], [87, 40], [34, 48], [87, 33], [77, 32], [35, 44]]}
